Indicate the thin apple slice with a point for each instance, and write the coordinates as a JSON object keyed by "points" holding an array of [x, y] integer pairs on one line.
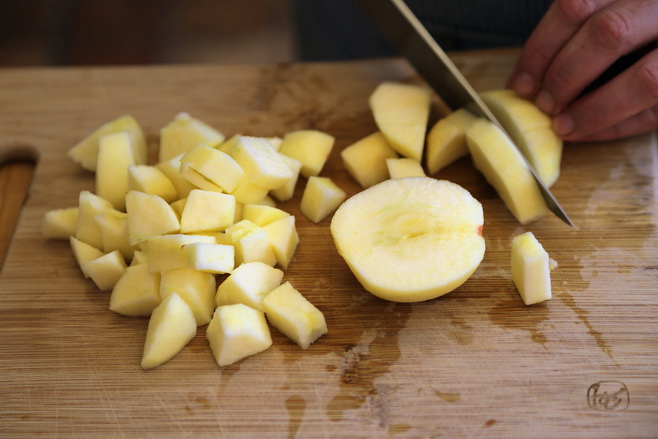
{"points": [[504, 168], [531, 130], [401, 112], [410, 239], [446, 141]]}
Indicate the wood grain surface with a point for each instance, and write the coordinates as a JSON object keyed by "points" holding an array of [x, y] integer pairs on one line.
{"points": [[473, 363]]}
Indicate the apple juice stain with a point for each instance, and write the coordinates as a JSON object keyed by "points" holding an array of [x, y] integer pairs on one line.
{"points": [[513, 314], [296, 405], [568, 300], [363, 363]]}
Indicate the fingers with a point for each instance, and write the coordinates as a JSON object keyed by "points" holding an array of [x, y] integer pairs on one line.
{"points": [[624, 106], [640, 123], [616, 30], [562, 21]]}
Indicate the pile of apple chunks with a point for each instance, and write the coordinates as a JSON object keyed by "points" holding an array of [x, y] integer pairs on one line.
{"points": [[207, 211], [197, 239]]}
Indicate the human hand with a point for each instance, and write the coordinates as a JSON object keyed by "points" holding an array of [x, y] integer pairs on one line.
{"points": [[574, 43]]}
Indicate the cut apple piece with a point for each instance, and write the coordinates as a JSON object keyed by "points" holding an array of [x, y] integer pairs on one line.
{"points": [[261, 163], [321, 198], [404, 167], [165, 252], [215, 166], [207, 211], [310, 147], [287, 191], [106, 270], [210, 258], [284, 239], [90, 205], [114, 231], [171, 168], [60, 223], [236, 332], [504, 168], [261, 214], [85, 152], [294, 316], [248, 284], [196, 288], [151, 180], [183, 133], [530, 129], [446, 141], [249, 193], [410, 239], [115, 156], [401, 112], [170, 329], [251, 243], [83, 253], [531, 269], [365, 160], [149, 215], [137, 292], [198, 180]]}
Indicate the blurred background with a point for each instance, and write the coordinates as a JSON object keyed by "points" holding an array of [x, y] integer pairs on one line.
{"points": [[115, 32]]}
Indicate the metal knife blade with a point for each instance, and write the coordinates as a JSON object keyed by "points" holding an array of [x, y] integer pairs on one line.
{"points": [[408, 35]]}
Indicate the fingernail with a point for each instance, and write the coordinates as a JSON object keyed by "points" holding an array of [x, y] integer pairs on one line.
{"points": [[523, 84], [563, 124], [545, 102]]}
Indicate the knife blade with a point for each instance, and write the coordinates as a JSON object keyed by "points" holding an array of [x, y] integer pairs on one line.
{"points": [[408, 35]]}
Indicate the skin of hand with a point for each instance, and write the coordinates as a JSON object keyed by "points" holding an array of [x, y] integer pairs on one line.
{"points": [[574, 44]]}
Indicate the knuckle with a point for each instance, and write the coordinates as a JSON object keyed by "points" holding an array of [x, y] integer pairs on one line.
{"points": [[576, 11], [612, 30]]}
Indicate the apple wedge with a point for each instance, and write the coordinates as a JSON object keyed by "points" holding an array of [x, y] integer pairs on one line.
{"points": [[60, 223], [446, 141], [401, 112], [410, 239], [170, 329], [85, 153], [531, 130], [504, 168]]}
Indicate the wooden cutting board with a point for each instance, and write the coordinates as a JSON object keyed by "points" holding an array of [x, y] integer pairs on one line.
{"points": [[473, 363]]}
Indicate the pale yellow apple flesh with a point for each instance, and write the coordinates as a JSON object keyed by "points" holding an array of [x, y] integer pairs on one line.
{"points": [[531, 130], [410, 239], [401, 112], [504, 168], [531, 269]]}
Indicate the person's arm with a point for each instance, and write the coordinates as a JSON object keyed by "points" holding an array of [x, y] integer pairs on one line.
{"points": [[574, 43]]}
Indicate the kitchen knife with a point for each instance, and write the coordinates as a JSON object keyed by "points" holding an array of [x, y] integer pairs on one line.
{"points": [[408, 35]]}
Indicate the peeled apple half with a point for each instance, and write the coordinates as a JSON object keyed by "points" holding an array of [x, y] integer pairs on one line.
{"points": [[410, 239]]}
